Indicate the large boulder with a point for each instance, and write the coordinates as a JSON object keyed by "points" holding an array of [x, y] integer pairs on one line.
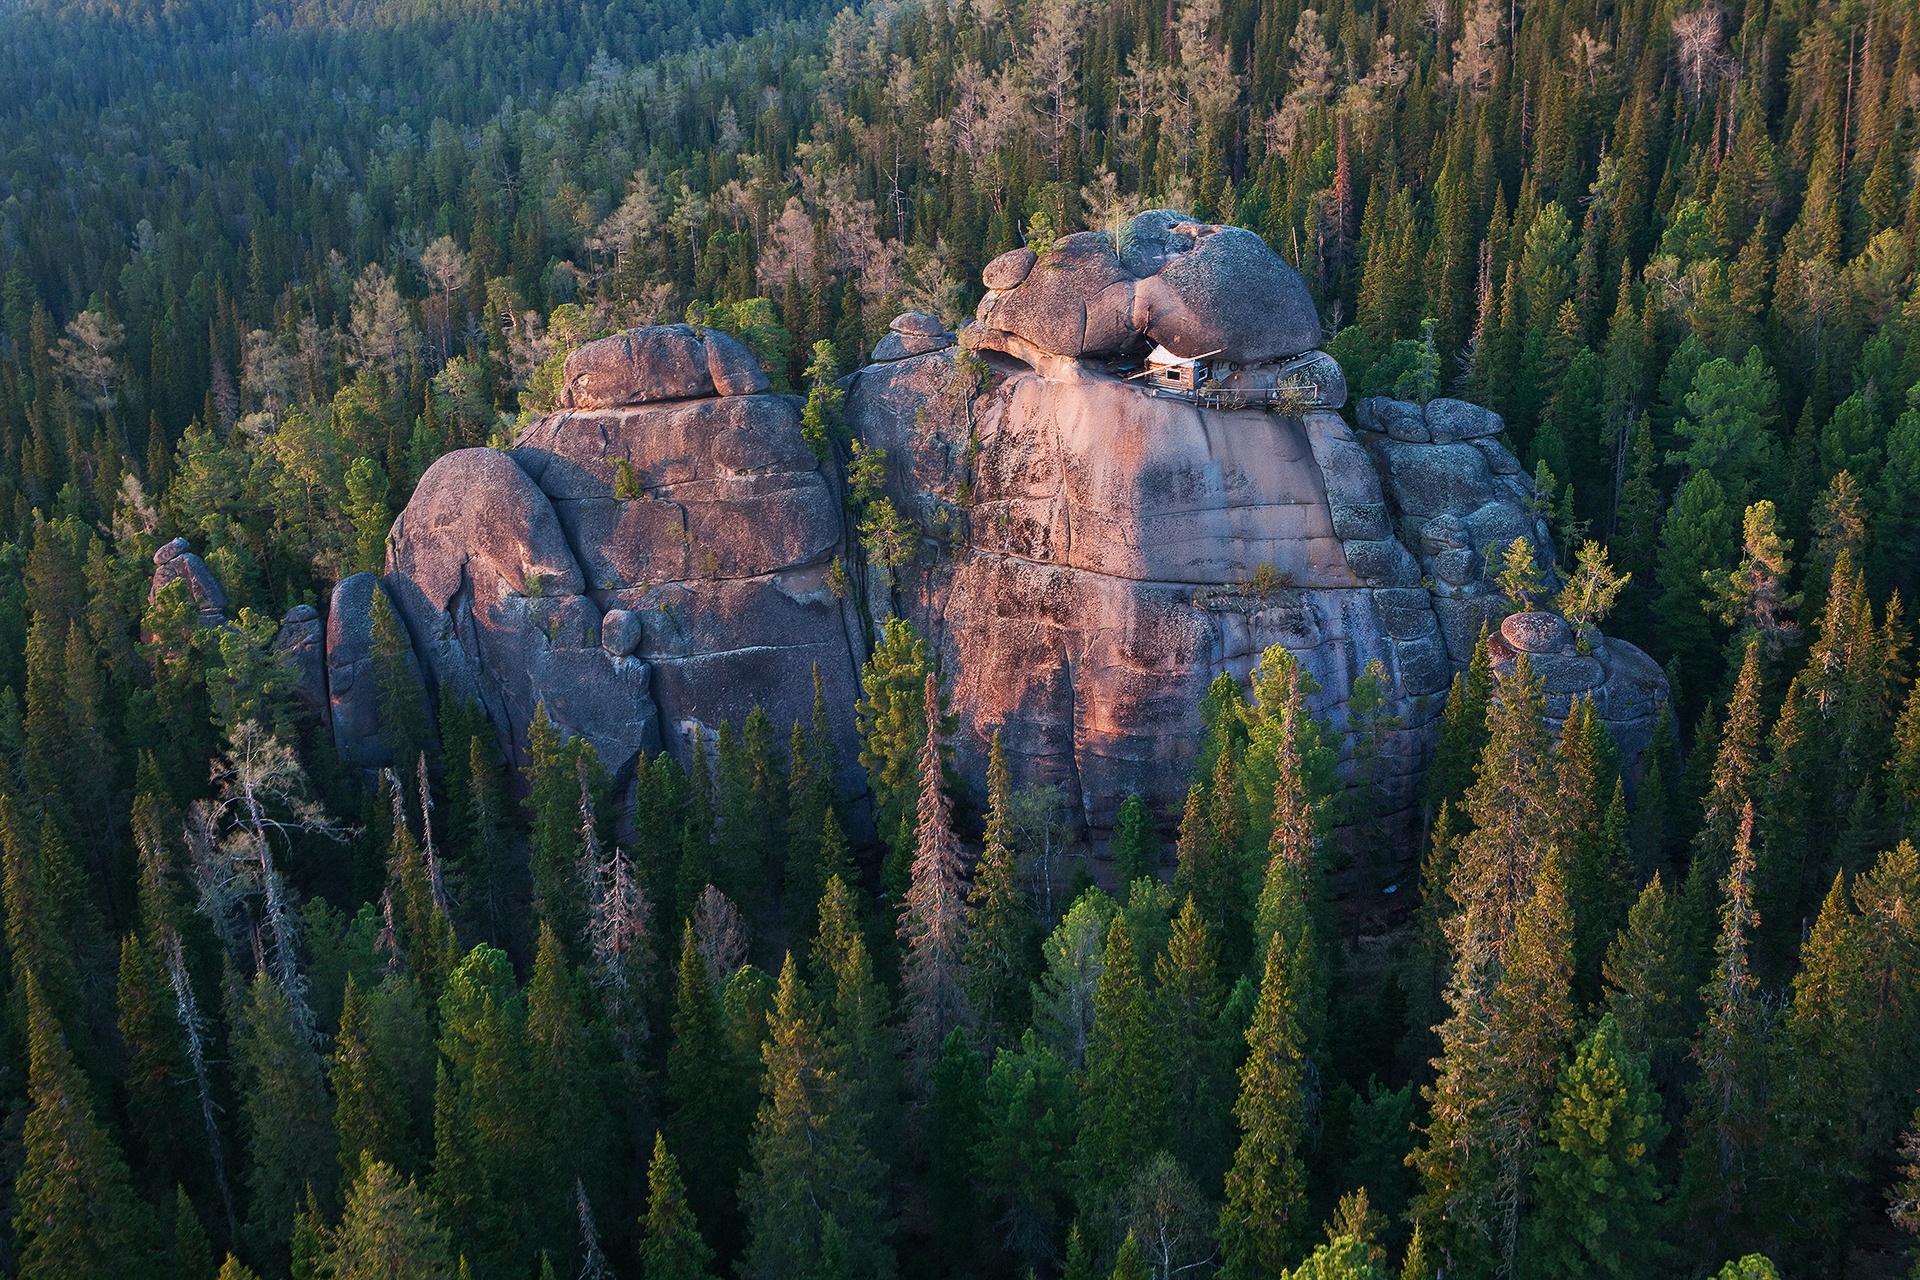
{"points": [[1192, 287], [1077, 298], [482, 572], [1228, 295], [666, 362]]}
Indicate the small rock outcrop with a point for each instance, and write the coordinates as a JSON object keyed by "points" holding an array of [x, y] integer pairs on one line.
{"points": [[176, 561]]}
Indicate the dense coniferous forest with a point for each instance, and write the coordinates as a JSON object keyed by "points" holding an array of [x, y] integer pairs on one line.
{"points": [[266, 1015]]}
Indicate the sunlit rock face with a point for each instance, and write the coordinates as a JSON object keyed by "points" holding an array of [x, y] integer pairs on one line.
{"points": [[666, 551]]}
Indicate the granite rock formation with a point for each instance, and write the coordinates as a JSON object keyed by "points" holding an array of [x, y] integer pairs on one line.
{"points": [[665, 551]]}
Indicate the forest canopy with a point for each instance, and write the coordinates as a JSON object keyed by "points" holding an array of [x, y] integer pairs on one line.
{"points": [[262, 264]]}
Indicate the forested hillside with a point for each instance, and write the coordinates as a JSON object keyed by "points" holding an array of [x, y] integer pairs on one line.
{"points": [[261, 264]]}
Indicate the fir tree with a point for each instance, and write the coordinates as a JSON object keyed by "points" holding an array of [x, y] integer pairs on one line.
{"points": [[856, 1008], [892, 716], [283, 1113], [670, 1246], [933, 919], [1696, 539], [192, 1253], [708, 1111], [1186, 1005], [388, 1231], [1263, 1222], [1596, 1186], [1652, 987], [1127, 1263]]}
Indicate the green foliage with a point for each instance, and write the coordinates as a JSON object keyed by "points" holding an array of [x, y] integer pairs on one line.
{"points": [[671, 1247], [1596, 1187]]}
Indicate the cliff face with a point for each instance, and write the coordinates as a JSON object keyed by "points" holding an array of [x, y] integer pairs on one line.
{"points": [[665, 552]]}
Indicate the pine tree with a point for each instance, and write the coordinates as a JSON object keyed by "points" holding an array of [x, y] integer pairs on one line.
{"points": [[1596, 1186], [75, 1215], [933, 919], [1123, 1117], [670, 1246], [1263, 1222], [954, 1123], [565, 1097], [999, 963]]}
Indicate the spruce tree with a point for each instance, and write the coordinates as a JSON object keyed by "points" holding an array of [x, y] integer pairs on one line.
{"points": [[1510, 807], [1652, 983], [283, 1113], [1596, 1189], [708, 1109], [933, 919], [1697, 538], [892, 717], [75, 1214], [1186, 1002], [553, 810], [192, 1253], [1127, 1263], [812, 1182], [670, 1244], [1263, 1222], [1735, 775], [1123, 1117], [387, 1231], [1136, 846], [1727, 1121], [855, 1008]]}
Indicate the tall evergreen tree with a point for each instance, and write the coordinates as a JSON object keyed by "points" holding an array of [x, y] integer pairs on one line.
{"points": [[670, 1246], [1263, 1223], [1727, 1120], [933, 919], [812, 1183], [1597, 1187], [1123, 1117], [75, 1213], [999, 962], [708, 1108]]}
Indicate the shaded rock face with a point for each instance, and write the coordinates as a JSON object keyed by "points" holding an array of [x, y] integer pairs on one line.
{"points": [[495, 603], [302, 645], [647, 569], [353, 694]]}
